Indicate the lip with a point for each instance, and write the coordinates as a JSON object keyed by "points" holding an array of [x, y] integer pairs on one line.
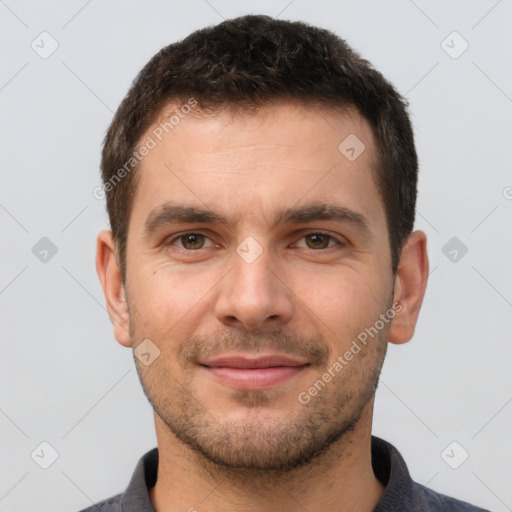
{"points": [[248, 361], [246, 372]]}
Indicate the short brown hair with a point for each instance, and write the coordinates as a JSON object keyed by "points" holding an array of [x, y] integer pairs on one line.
{"points": [[251, 61]]}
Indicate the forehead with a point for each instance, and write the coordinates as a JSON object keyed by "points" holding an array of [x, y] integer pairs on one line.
{"points": [[253, 164]]}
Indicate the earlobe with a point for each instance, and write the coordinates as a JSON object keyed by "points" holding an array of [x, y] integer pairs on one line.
{"points": [[109, 274], [409, 288]]}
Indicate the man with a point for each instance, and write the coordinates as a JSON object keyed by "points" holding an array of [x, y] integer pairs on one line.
{"points": [[261, 184]]}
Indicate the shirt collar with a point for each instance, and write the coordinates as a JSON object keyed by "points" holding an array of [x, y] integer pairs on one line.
{"points": [[388, 465], [136, 497], [390, 468]]}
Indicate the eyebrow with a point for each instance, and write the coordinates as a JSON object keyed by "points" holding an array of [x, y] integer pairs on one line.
{"points": [[173, 213]]}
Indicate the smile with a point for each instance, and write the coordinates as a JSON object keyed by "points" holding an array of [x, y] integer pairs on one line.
{"points": [[243, 372], [254, 378]]}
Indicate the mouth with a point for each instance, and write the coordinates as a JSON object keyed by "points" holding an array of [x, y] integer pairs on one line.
{"points": [[246, 372]]}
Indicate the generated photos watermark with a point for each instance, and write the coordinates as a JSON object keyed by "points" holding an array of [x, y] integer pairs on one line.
{"points": [[342, 361], [151, 142]]}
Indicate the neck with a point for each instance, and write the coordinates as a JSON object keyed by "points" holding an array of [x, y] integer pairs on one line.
{"points": [[341, 479]]}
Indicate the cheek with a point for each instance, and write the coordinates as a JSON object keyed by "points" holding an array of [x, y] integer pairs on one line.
{"points": [[166, 302], [344, 304], [338, 303]]}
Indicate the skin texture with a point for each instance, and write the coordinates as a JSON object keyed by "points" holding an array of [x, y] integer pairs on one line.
{"points": [[313, 289]]}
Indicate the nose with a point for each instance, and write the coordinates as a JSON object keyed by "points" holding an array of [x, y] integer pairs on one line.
{"points": [[255, 295]]}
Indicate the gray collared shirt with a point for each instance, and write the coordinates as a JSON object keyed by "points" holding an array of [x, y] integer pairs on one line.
{"points": [[402, 494]]}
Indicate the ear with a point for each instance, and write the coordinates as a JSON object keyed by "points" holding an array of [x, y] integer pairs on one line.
{"points": [[410, 286], [109, 274]]}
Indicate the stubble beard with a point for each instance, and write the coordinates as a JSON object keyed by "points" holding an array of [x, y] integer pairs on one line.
{"points": [[263, 446]]}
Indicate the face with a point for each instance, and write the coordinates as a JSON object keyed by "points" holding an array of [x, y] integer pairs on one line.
{"points": [[257, 257]]}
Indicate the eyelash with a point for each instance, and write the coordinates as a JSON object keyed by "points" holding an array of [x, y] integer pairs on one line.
{"points": [[305, 234]]}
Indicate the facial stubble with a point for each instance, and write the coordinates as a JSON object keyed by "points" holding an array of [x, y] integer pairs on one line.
{"points": [[262, 445]]}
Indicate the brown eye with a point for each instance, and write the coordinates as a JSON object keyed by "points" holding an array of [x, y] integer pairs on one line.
{"points": [[317, 240], [192, 241]]}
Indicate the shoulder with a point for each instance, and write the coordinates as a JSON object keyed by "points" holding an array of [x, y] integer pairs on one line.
{"points": [[435, 501], [136, 496], [402, 492], [109, 505]]}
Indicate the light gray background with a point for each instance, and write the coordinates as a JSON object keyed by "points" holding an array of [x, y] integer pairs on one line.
{"points": [[66, 381]]}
